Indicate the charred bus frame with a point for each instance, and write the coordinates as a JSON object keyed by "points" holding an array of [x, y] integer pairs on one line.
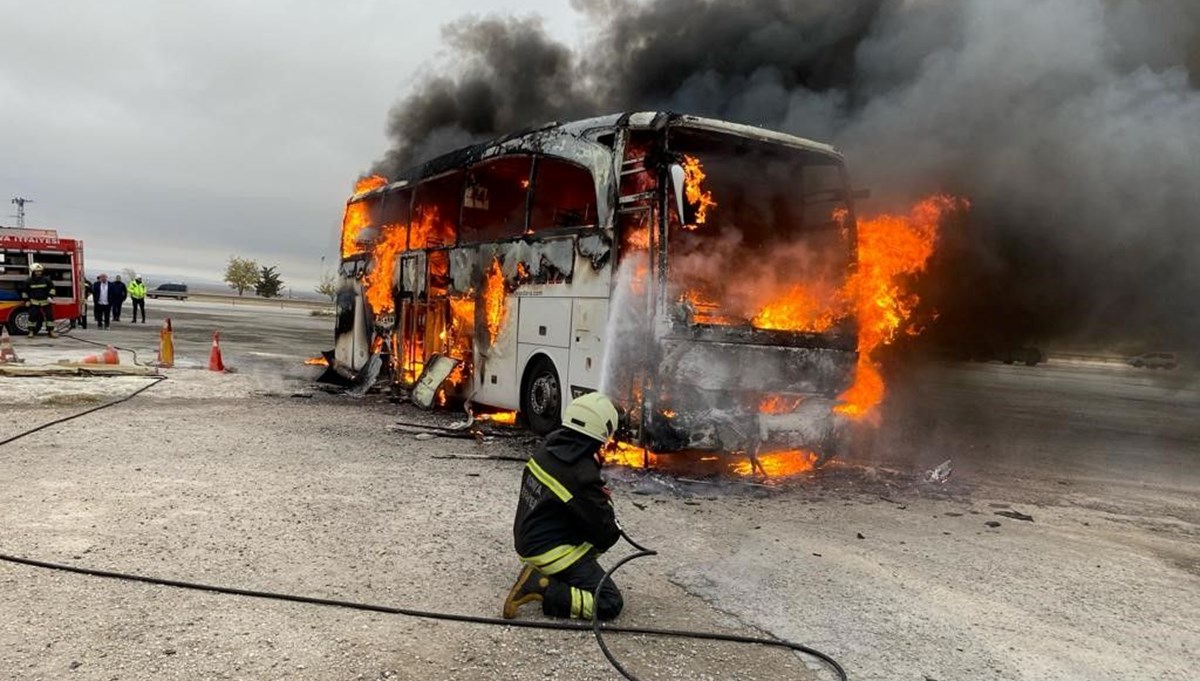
{"points": [[512, 261]]}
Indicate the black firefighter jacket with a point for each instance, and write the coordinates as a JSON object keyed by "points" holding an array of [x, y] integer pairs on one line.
{"points": [[564, 513], [38, 289]]}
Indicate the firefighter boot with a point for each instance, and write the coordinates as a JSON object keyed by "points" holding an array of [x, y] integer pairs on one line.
{"points": [[52, 332], [529, 587]]}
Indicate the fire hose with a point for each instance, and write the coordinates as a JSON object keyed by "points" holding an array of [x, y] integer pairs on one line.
{"points": [[598, 629]]}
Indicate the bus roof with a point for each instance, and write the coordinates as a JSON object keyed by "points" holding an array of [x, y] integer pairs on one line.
{"points": [[533, 139]]}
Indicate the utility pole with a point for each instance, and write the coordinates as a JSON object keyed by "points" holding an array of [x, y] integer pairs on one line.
{"points": [[20, 203]]}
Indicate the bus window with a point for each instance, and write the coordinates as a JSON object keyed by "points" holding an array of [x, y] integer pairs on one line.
{"points": [[435, 211], [564, 195], [394, 214], [360, 216], [495, 199]]}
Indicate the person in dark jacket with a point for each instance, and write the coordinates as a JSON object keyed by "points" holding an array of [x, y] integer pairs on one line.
{"points": [[117, 297], [38, 294], [102, 301], [565, 519]]}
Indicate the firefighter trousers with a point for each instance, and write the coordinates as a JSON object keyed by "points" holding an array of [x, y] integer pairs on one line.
{"points": [[570, 593], [40, 313]]}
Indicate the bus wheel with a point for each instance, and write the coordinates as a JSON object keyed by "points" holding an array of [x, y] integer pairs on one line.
{"points": [[541, 400], [18, 322]]}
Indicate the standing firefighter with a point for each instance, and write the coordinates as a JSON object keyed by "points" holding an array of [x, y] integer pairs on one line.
{"points": [[37, 294], [565, 518]]}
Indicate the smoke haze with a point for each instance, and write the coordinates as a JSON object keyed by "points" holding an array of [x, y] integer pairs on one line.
{"points": [[1072, 127]]}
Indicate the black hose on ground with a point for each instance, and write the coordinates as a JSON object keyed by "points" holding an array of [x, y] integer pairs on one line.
{"points": [[597, 629], [594, 627], [155, 380]]}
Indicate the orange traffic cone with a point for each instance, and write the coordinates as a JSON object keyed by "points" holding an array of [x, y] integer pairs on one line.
{"points": [[109, 356], [166, 345], [7, 353], [214, 357]]}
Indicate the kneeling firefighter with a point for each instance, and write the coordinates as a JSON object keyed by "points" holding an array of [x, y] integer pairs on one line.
{"points": [[565, 518]]}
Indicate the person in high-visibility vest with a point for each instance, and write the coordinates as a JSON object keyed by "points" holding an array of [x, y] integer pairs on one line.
{"points": [[137, 293], [37, 294]]}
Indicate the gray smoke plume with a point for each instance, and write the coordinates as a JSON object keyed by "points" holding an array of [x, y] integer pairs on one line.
{"points": [[1073, 127]]}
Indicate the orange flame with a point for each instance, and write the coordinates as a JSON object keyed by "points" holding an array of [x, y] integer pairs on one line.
{"points": [[319, 361], [693, 189], [890, 248], [369, 183], [462, 322], [779, 404], [629, 456], [358, 215], [378, 281], [778, 464], [799, 309], [506, 418], [494, 300]]}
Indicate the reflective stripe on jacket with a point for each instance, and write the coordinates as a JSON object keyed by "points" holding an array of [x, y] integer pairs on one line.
{"points": [[563, 513], [38, 289]]}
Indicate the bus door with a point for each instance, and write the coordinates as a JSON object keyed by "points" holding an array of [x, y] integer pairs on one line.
{"points": [[352, 330], [636, 285], [422, 327]]}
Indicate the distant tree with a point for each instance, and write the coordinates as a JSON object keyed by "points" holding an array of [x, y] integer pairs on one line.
{"points": [[269, 285], [129, 273], [241, 274], [328, 286]]}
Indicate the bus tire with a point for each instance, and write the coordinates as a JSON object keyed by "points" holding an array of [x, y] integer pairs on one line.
{"points": [[541, 396], [18, 321]]}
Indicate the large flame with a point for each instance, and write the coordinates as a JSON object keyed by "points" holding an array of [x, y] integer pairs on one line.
{"points": [[891, 248], [494, 300], [695, 193], [800, 308], [358, 215], [379, 279]]}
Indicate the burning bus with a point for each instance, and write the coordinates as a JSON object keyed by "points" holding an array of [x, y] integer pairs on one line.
{"points": [[697, 271]]}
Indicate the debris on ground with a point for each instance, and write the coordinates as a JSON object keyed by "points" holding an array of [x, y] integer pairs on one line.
{"points": [[940, 474], [992, 523], [1016, 515]]}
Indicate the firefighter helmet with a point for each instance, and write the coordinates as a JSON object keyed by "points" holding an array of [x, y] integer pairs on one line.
{"points": [[36, 268], [593, 415]]}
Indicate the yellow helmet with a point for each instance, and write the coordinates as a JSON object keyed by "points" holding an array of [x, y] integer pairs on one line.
{"points": [[593, 415]]}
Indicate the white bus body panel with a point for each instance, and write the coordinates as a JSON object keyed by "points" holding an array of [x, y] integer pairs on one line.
{"points": [[589, 321], [497, 382], [353, 349]]}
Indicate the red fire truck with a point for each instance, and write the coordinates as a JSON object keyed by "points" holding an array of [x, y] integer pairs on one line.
{"points": [[63, 262]]}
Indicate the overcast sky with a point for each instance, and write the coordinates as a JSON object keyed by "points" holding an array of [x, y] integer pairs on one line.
{"points": [[171, 135]]}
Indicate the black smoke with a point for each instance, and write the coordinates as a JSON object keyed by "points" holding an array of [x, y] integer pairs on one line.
{"points": [[1073, 127]]}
